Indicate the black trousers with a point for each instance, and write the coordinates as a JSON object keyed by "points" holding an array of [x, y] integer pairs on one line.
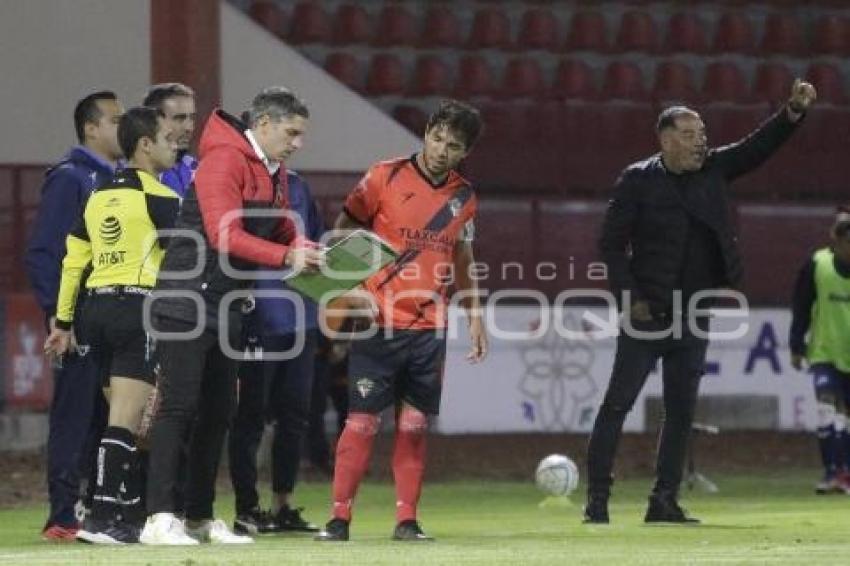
{"points": [[198, 386], [683, 365], [78, 415], [279, 391]]}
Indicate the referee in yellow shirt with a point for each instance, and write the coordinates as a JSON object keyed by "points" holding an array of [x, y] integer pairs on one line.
{"points": [[118, 236]]}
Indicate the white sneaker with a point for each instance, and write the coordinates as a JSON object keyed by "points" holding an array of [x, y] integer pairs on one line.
{"points": [[165, 529], [216, 532]]}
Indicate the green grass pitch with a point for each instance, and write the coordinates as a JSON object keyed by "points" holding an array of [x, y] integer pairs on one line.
{"points": [[753, 520]]}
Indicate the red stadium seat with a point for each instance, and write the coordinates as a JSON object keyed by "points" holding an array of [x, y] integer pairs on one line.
{"points": [[396, 26], [828, 81], [637, 33], [674, 81], [523, 78], [623, 81], [538, 29], [441, 28], [734, 34], [490, 30], [431, 77], [574, 79], [686, 33], [474, 77], [772, 83], [351, 25], [724, 82], [411, 118], [783, 33], [268, 15], [832, 35], [386, 75], [345, 68], [310, 24], [587, 32]]}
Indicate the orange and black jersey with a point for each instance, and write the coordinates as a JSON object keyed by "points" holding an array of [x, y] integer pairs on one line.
{"points": [[118, 235], [397, 201]]}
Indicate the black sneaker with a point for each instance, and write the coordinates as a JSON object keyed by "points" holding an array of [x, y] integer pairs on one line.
{"points": [[410, 531], [289, 519], [596, 511], [666, 510], [108, 532], [335, 531], [255, 522]]}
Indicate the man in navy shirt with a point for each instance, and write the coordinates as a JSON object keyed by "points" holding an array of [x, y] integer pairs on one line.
{"points": [[280, 390], [76, 392], [176, 102]]}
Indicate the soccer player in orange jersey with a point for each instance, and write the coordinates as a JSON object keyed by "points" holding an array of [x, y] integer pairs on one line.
{"points": [[425, 209]]}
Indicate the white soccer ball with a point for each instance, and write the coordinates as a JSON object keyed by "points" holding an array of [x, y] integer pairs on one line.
{"points": [[556, 475]]}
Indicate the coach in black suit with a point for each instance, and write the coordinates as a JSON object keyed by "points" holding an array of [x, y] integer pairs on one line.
{"points": [[667, 232]]}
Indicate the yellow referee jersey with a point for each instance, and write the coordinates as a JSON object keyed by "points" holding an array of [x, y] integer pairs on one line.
{"points": [[117, 235]]}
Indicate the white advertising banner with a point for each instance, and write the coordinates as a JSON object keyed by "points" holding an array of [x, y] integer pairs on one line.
{"points": [[538, 378]]}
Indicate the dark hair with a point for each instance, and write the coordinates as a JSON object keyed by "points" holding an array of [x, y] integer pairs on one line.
{"points": [[668, 117], [458, 117], [276, 102], [87, 112], [137, 123], [157, 94]]}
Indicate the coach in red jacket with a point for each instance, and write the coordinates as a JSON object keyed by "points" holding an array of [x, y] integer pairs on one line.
{"points": [[239, 171]]}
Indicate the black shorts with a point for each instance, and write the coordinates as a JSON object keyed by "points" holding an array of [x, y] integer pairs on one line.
{"points": [[406, 367], [112, 327]]}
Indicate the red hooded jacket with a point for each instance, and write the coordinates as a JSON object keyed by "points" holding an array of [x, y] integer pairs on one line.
{"points": [[230, 174]]}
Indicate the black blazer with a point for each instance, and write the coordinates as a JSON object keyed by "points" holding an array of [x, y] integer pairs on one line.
{"points": [[644, 232]]}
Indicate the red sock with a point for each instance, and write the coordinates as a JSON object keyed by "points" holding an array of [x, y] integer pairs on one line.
{"points": [[352, 458], [409, 461]]}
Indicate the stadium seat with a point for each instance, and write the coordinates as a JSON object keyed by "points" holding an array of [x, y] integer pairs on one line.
{"points": [[828, 81], [623, 81], [441, 28], [310, 24], [386, 75], [686, 33], [411, 118], [674, 81], [637, 33], [474, 77], [574, 79], [772, 83], [734, 34], [490, 30], [523, 78], [831, 36], [431, 77], [351, 25], [783, 33], [538, 29], [587, 32], [345, 68], [268, 15], [396, 26], [724, 82]]}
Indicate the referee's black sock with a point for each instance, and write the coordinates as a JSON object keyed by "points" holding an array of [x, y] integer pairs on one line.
{"points": [[115, 461]]}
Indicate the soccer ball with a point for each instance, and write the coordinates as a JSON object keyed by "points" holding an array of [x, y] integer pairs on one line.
{"points": [[556, 475]]}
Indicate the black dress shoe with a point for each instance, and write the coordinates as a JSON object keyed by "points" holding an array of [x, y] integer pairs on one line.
{"points": [[290, 519], [596, 511], [410, 531], [666, 510], [335, 531]]}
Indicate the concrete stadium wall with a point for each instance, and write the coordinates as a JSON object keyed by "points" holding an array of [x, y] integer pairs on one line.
{"points": [[54, 53]]}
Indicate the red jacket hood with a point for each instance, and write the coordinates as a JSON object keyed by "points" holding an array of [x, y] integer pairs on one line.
{"points": [[224, 130]]}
